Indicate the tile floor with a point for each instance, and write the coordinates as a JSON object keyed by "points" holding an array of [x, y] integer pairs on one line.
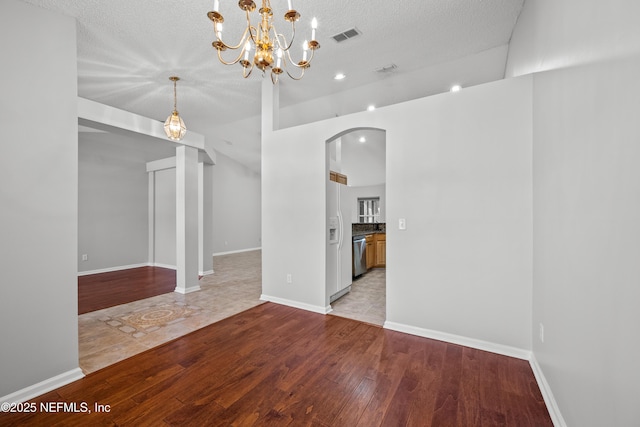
{"points": [[116, 333], [367, 300]]}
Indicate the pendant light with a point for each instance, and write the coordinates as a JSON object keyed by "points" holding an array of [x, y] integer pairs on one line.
{"points": [[174, 126]]}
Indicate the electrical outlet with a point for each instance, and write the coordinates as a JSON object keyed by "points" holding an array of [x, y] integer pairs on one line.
{"points": [[85, 257], [289, 278], [541, 332]]}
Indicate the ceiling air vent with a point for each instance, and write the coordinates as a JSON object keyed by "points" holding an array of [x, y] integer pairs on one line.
{"points": [[346, 35], [389, 68]]}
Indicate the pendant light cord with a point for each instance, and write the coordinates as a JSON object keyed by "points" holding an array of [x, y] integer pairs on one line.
{"points": [[175, 97]]}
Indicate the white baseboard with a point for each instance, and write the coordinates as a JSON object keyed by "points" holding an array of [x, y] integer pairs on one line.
{"points": [[110, 269], [296, 304], [157, 264], [543, 385], [205, 273], [43, 387], [547, 395], [505, 350], [237, 252], [185, 291]]}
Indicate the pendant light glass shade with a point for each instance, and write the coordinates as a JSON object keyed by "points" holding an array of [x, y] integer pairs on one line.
{"points": [[174, 125]]}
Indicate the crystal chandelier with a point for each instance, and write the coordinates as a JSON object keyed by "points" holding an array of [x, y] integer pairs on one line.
{"points": [[264, 42], [174, 126]]}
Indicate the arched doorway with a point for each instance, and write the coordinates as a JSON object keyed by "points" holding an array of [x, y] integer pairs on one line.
{"points": [[356, 224]]}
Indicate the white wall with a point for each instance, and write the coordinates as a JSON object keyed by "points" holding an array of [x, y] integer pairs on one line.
{"points": [[585, 202], [553, 34], [38, 189], [112, 203], [487, 66], [165, 218], [459, 171], [236, 207], [587, 240], [364, 163]]}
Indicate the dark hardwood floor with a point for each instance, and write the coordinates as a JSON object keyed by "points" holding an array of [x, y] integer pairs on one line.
{"points": [[276, 365], [102, 290]]}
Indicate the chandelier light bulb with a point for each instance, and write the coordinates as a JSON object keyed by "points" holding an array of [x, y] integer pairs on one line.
{"points": [[305, 49], [216, 5], [314, 26], [290, 4], [247, 48]]}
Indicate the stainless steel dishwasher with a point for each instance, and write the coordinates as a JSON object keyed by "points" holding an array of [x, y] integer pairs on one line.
{"points": [[359, 255]]}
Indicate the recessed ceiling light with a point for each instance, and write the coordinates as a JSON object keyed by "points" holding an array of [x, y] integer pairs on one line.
{"points": [[456, 88], [371, 107], [362, 139], [339, 76]]}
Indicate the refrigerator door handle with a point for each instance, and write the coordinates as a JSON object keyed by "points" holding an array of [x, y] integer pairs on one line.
{"points": [[340, 223], [341, 231]]}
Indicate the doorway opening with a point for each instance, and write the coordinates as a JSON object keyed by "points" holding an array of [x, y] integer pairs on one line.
{"points": [[356, 216]]}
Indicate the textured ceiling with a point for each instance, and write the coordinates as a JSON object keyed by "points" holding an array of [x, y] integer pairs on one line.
{"points": [[128, 49]]}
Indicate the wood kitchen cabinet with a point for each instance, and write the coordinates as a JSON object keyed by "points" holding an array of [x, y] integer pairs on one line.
{"points": [[371, 251], [338, 177], [381, 250], [376, 250]]}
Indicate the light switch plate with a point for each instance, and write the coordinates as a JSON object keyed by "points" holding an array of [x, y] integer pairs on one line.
{"points": [[402, 224]]}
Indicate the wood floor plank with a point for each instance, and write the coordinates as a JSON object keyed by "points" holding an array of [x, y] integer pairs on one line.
{"points": [[276, 365], [446, 406], [357, 403], [388, 378], [103, 290]]}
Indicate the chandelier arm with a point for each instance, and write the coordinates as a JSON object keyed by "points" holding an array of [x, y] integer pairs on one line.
{"points": [[296, 78], [244, 71], [274, 80], [235, 61], [295, 64], [288, 55], [249, 28], [280, 36], [243, 39]]}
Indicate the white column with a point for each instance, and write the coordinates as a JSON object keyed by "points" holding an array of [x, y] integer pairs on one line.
{"points": [[270, 105], [186, 220], [207, 218], [152, 218], [201, 218]]}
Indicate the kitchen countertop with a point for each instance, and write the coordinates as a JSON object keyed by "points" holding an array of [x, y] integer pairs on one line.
{"points": [[366, 233]]}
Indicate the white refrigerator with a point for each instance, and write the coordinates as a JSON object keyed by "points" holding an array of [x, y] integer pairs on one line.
{"points": [[339, 242]]}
